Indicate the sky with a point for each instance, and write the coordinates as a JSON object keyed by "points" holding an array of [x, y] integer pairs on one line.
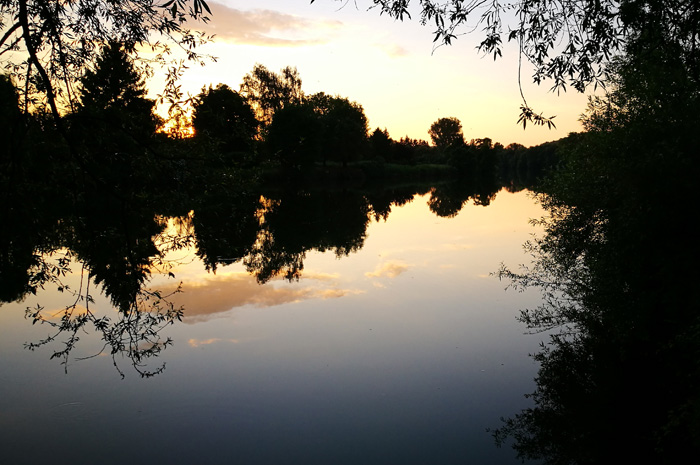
{"points": [[389, 67]]}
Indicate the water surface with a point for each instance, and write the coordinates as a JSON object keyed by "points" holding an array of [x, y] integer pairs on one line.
{"points": [[405, 350]]}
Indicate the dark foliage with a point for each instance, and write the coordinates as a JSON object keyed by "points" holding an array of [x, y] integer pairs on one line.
{"points": [[620, 379], [224, 117]]}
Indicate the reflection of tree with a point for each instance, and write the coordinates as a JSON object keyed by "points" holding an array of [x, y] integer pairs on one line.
{"points": [[269, 259], [225, 227], [619, 380], [134, 334], [298, 222], [116, 252], [382, 200], [446, 200], [121, 258]]}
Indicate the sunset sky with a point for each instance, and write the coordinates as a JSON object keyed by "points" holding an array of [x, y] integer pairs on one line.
{"points": [[388, 67]]}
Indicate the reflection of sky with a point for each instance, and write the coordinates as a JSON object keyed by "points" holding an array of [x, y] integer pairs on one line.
{"points": [[413, 357], [215, 294]]}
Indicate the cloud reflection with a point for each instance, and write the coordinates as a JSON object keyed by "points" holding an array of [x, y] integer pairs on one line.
{"points": [[214, 295], [205, 342], [388, 269]]}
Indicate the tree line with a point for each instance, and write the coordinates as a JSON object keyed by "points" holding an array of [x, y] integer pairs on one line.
{"points": [[111, 133], [271, 120]]}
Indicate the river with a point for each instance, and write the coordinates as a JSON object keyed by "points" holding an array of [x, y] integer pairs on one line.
{"points": [[399, 348]]}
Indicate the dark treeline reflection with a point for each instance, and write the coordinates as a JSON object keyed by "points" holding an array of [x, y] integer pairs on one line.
{"points": [[270, 231], [117, 239]]}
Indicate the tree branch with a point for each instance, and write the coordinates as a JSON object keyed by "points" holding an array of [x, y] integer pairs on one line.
{"points": [[26, 34], [9, 32]]}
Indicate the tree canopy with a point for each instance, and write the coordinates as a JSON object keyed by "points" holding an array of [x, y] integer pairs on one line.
{"points": [[344, 127], [113, 91], [112, 81], [268, 91], [46, 45], [446, 132], [222, 114]]}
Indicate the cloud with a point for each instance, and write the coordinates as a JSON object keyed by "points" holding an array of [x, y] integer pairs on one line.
{"points": [[393, 50], [206, 342], [456, 246], [210, 297], [388, 269], [266, 27]]}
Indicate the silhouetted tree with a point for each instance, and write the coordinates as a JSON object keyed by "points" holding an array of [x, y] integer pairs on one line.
{"points": [[11, 125], [485, 156], [410, 151], [294, 136], [344, 128], [113, 93], [52, 42], [223, 115], [611, 263], [268, 91], [381, 146], [446, 133], [113, 127]]}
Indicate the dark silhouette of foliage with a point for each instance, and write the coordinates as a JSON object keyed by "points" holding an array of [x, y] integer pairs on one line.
{"points": [[446, 133], [226, 226], [381, 146], [112, 81], [267, 91], [613, 263], [322, 129], [381, 200], [112, 94], [411, 151], [112, 131], [12, 127], [224, 116], [485, 157], [297, 222], [114, 249], [294, 136], [344, 128], [47, 45]]}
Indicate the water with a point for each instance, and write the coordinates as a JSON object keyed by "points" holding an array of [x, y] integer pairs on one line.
{"points": [[405, 350]]}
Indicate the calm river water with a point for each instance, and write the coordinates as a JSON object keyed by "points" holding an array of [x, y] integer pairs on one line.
{"points": [[403, 352]]}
